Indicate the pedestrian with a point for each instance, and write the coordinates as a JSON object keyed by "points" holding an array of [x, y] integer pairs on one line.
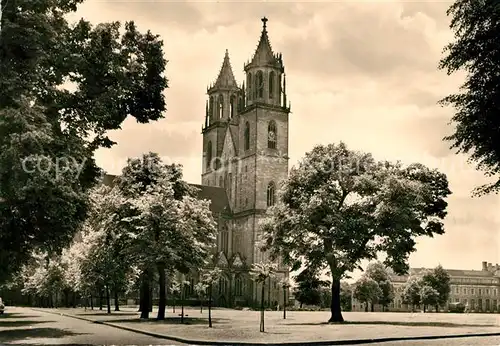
{"points": [[466, 310]]}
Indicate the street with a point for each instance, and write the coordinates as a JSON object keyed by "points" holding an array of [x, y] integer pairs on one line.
{"points": [[490, 341], [25, 326]]}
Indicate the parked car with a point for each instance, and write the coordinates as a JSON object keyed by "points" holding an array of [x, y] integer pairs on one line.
{"points": [[2, 306]]}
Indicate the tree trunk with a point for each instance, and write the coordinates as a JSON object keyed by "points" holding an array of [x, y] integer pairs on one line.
{"points": [[373, 307], [262, 307], [145, 298], [182, 304], [141, 296], [284, 303], [117, 302], [108, 300], [366, 307], [437, 308], [424, 307], [335, 305], [269, 294], [210, 306], [100, 299], [91, 302], [150, 305], [201, 306], [173, 306], [162, 301]]}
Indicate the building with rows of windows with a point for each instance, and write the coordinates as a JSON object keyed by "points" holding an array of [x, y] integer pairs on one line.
{"points": [[479, 289]]}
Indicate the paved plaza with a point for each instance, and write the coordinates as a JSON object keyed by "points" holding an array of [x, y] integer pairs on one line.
{"points": [[243, 326]]}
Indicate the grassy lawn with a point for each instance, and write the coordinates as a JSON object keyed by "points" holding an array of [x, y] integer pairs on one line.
{"points": [[235, 325]]}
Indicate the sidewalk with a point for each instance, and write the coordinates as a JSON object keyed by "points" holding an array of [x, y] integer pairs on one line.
{"points": [[231, 327]]}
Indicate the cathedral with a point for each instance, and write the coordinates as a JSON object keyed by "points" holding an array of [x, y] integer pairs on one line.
{"points": [[245, 157]]}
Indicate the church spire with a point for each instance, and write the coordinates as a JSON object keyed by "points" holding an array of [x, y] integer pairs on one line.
{"points": [[264, 55], [226, 77]]}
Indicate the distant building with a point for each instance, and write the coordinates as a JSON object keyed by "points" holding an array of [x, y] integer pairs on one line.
{"points": [[478, 288], [245, 157]]}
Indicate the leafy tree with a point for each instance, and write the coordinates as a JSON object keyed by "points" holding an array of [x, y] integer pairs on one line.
{"points": [[367, 291], [378, 272], [411, 292], [201, 291], [43, 278], [346, 293], [164, 226], [387, 293], [428, 296], [114, 75], [475, 50], [260, 272], [308, 290], [210, 277], [175, 289], [439, 279], [339, 207]]}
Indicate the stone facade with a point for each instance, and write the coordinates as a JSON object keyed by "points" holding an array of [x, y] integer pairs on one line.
{"points": [[245, 158], [245, 154], [480, 289]]}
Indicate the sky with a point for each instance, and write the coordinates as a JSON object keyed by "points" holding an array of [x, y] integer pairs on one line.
{"points": [[361, 72]]}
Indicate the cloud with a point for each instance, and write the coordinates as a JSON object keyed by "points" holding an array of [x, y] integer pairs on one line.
{"points": [[361, 72]]}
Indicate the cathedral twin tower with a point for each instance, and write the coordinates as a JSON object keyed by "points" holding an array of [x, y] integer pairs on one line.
{"points": [[245, 153], [246, 128]]}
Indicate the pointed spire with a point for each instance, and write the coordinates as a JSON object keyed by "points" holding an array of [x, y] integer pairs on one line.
{"points": [[226, 76], [264, 53]]}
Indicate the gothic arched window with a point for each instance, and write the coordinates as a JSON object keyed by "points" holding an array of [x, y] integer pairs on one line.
{"points": [[224, 241], [238, 286], [220, 107], [271, 135], [209, 154], [249, 86], [211, 110], [247, 136], [272, 77], [222, 285], [232, 106], [271, 194], [259, 84]]}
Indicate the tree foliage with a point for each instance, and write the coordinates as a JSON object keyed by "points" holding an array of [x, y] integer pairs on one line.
{"points": [[340, 206], [346, 292], [309, 287], [367, 290], [428, 296], [112, 76], [439, 280], [378, 272], [475, 50], [411, 291]]}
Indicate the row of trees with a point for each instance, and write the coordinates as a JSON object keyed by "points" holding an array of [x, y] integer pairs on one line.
{"points": [[115, 73], [431, 288], [374, 287], [148, 228]]}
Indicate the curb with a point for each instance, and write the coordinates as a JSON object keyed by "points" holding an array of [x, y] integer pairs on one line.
{"points": [[309, 343]]}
